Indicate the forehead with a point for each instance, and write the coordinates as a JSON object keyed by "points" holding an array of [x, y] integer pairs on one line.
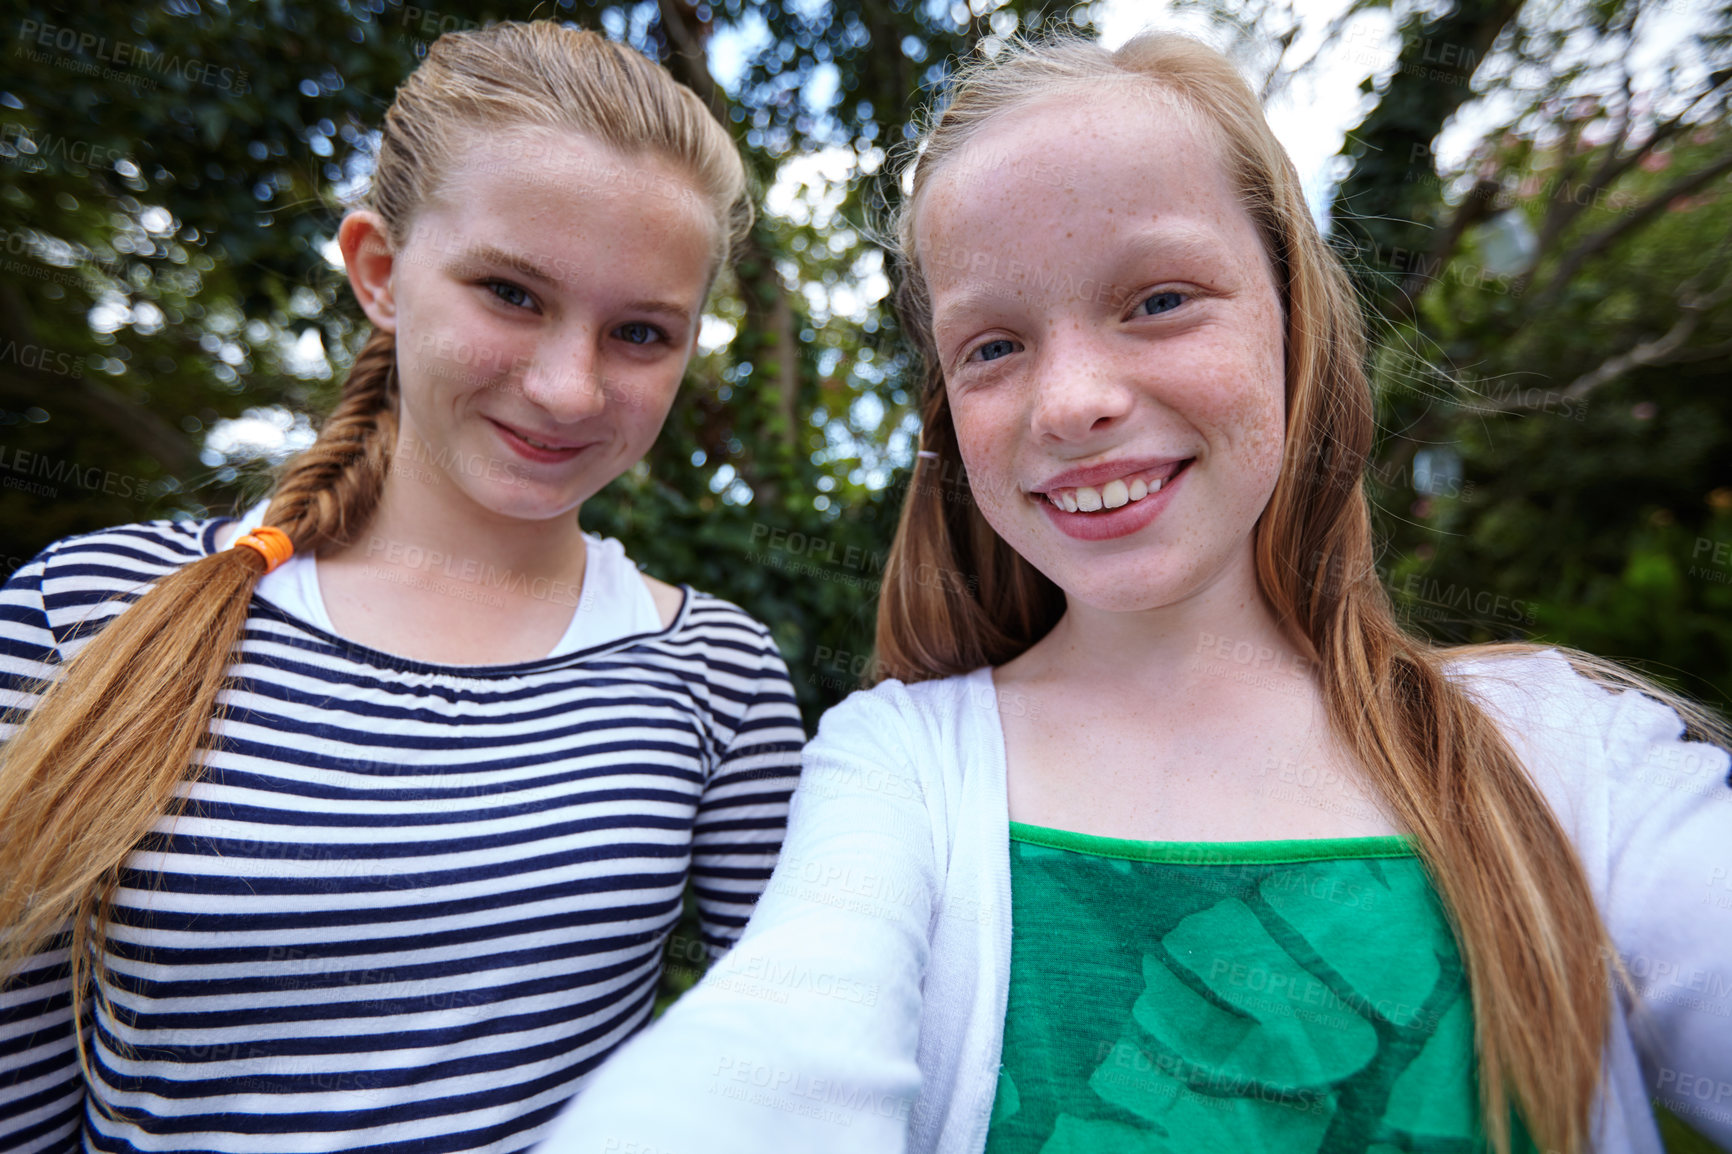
{"points": [[1090, 164], [552, 189]]}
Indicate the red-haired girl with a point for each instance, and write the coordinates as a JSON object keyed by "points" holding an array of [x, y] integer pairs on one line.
{"points": [[1160, 834]]}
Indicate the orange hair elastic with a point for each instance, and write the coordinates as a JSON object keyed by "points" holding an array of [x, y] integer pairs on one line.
{"points": [[268, 542]]}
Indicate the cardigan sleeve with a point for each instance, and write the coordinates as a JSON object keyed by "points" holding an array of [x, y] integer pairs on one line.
{"points": [[1669, 905], [1650, 814], [41, 1088], [804, 1036]]}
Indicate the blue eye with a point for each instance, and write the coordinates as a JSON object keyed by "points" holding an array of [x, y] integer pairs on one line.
{"points": [[992, 350], [511, 294], [1163, 302], [638, 333]]}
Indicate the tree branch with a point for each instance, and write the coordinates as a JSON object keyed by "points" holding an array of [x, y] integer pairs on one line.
{"points": [[688, 38], [1610, 235], [1567, 209], [770, 317], [1475, 207]]}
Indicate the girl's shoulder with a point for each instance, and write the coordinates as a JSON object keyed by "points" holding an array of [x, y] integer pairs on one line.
{"points": [[720, 621], [148, 546], [116, 560], [931, 724], [76, 583], [677, 614], [1544, 703], [1616, 764]]}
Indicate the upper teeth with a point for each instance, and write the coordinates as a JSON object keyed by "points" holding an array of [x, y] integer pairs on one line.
{"points": [[537, 443], [1087, 498]]}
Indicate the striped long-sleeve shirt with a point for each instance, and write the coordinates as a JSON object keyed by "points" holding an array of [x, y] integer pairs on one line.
{"points": [[407, 906]]}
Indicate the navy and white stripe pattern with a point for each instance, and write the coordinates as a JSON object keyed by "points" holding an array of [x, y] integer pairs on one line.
{"points": [[408, 906]]}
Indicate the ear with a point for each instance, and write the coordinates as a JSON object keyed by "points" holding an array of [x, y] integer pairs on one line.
{"points": [[367, 254]]}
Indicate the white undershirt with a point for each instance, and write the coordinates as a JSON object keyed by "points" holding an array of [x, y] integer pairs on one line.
{"points": [[615, 601]]}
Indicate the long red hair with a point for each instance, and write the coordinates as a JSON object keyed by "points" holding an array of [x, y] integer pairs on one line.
{"points": [[1531, 937]]}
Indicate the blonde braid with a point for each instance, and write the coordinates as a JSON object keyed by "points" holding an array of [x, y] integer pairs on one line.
{"points": [[327, 494]]}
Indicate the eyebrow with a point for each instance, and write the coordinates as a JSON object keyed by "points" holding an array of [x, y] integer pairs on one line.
{"points": [[664, 308], [967, 301], [487, 254], [1181, 241]]}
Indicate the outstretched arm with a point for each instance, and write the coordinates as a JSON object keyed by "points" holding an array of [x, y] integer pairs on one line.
{"points": [[804, 1036]]}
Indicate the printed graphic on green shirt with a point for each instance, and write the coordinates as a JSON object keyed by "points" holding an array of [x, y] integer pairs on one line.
{"points": [[1199, 998]]}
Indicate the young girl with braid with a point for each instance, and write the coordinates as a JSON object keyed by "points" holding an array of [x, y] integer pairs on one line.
{"points": [[1160, 834], [362, 823]]}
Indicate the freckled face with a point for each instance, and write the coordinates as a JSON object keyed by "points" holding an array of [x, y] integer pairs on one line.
{"points": [[547, 298], [1105, 315]]}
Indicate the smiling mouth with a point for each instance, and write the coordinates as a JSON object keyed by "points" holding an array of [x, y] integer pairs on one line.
{"points": [[541, 444], [1116, 493], [535, 442]]}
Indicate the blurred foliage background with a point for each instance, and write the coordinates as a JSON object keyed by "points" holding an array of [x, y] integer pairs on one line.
{"points": [[1534, 205], [1554, 306]]}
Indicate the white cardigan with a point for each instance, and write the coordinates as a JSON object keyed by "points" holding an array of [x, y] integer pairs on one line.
{"points": [[863, 1009]]}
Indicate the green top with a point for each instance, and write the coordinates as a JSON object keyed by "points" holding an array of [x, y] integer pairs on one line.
{"points": [[1282, 997]]}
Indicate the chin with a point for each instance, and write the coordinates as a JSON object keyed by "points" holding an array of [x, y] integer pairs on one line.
{"points": [[1134, 584], [1118, 597], [524, 503]]}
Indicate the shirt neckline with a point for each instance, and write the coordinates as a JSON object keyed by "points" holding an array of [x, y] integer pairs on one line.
{"points": [[379, 657], [1214, 853], [1171, 852]]}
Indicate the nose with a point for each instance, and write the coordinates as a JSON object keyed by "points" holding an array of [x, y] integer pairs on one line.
{"points": [[1076, 392], [564, 378]]}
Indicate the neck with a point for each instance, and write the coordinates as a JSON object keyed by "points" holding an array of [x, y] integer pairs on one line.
{"points": [[423, 512], [1223, 634]]}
